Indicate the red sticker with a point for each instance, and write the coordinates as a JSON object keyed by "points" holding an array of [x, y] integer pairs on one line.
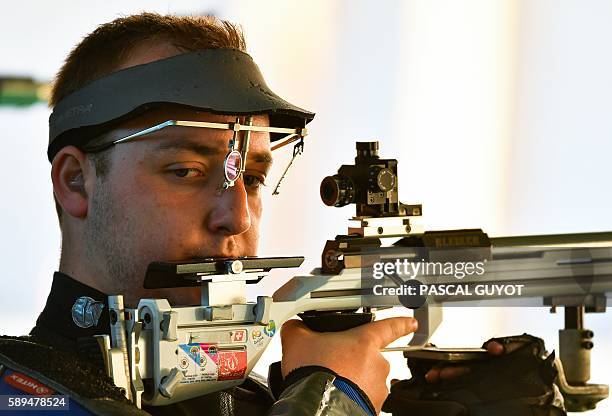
{"points": [[239, 335], [27, 384], [232, 364]]}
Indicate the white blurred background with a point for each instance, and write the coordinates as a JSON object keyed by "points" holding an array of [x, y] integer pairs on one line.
{"points": [[498, 111]]}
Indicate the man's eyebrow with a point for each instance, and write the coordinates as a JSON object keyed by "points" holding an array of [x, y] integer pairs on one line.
{"points": [[258, 157], [206, 150]]}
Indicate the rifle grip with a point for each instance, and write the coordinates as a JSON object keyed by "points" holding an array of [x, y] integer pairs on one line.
{"points": [[335, 321]]}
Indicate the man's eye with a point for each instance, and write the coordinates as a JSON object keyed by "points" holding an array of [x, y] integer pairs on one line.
{"points": [[187, 172], [253, 181]]}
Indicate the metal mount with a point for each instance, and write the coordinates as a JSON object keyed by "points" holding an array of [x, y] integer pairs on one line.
{"points": [[383, 227], [579, 398], [575, 345]]}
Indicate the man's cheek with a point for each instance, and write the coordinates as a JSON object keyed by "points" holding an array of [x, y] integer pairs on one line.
{"points": [[250, 239], [255, 208]]}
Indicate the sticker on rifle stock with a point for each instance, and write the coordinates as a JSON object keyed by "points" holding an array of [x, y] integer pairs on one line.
{"points": [[270, 329], [258, 338], [209, 362], [232, 364], [239, 335], [198, 362]]}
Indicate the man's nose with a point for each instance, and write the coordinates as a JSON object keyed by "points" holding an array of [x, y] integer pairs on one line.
{"points": [[230, 213]]}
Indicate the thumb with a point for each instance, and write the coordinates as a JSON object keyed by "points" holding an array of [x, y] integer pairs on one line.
{"points": [[293, 328], [385, 331]]}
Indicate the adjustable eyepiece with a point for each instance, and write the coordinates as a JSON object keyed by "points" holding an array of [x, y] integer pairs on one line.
{"points": [[337, 191], [370, 184]]}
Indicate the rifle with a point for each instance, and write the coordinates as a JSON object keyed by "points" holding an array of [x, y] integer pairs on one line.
{"points": [[162, 354]]}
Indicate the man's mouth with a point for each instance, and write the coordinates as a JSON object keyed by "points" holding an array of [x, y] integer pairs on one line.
{"points": [[217, 256]]}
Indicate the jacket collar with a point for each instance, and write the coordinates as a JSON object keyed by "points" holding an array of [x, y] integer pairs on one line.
{"points": [[73, 310]]}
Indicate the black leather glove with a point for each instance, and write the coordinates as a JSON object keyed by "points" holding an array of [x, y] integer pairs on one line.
{"points": [[519, 382]]}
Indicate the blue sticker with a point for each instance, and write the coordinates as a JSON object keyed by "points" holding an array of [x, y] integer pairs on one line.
{"points": [[270, 329], [192, 351]]}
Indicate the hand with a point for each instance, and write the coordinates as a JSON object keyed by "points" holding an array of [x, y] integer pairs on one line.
{"points": [[442, 372], [353, 354]]}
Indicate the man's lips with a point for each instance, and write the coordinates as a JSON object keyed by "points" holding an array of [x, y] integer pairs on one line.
{"points": [[213, 256]]}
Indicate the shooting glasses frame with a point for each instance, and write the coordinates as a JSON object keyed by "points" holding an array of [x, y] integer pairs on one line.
{"points": [[231, 172]]}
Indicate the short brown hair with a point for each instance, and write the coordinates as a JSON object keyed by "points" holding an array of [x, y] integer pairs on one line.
{"points": [[106, 48]]}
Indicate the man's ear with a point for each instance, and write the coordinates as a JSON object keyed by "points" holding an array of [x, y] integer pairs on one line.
{"points": [[70, 170]]}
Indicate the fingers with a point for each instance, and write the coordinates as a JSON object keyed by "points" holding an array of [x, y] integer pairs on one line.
{"points": [[433, 375], [495, 348], [385, 331], [445, 373], [449, 372]]}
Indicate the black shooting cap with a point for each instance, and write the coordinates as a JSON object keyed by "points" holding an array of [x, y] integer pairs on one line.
{"points": [[220, 81]]}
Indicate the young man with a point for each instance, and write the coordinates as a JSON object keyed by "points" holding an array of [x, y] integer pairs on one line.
{"points": [[127, 196]]}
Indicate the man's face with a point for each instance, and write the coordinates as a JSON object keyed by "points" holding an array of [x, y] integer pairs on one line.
{"points": [[159, 201]]}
